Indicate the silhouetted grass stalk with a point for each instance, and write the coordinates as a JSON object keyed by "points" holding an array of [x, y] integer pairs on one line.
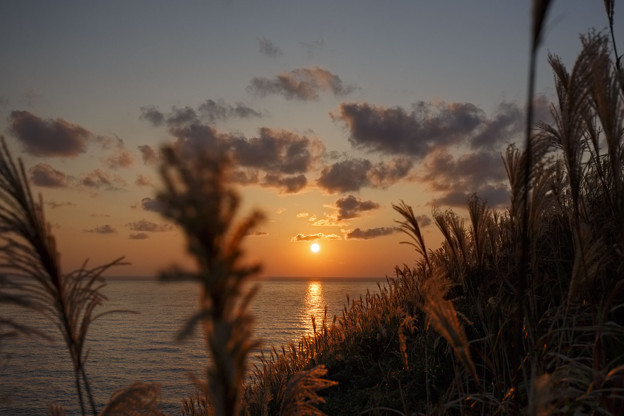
{"points": [[28, 252]]}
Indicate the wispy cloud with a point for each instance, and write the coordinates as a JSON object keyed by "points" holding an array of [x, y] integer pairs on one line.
{"points": [[212, 111], [148, 154], [121, 158], [366, 234], [45, 175], [54, 204], [102, 229], [351, 207], [143, 180], [268, 48], [303, 84], [138, 236], [98, 179], [148, 226], [48, 137], [317, 236]]}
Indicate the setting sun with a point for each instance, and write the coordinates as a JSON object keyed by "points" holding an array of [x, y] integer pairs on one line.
{"points": [[315, 248]]}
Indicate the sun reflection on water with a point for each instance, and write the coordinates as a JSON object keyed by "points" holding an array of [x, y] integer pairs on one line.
{"points": [[314, 307]]}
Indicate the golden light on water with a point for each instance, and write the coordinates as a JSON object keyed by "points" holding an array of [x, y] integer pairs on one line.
{"points": [[314, 306]]}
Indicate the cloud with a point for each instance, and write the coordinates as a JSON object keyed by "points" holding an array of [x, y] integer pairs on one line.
{"points": [[317, 236], [120, 159], [138, 236], [480, 172], [302, 214], [508, 121], [148, 154], [212, 111], [143, 180], [153, 205], [276, 151], [54, 204], [258, 234], [148, 226], [48, 137], [153, 115], [303, 84], [99, 179], [209, 111], [268, 48], [313, 48], [427, 127], [288, 184], [354, 174], [351, 207], [109, 142], [423, 221], [102, 229], [45, 175], [359, 234], [275, 157], [345, 176]]}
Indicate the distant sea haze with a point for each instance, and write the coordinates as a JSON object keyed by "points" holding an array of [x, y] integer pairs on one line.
{"points": [[129, 347]]}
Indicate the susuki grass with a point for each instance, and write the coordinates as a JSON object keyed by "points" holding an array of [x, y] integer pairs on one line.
{"points": [[519, 311]]}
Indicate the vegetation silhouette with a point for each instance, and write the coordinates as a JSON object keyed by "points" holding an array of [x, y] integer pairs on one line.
{"points": [[517, 312]]}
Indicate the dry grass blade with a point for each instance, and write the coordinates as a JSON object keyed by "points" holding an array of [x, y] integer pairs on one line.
{"points": [[138, 399], [443, 317], [198, 197], [28, 252], [410, 227], [300, 396]]}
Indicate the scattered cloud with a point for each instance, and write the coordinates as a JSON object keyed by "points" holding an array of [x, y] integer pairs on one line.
{"points": [[102, 229], [138, 236], [120, 159], [143, 180], [54, 204], [288, 184], [303, 84], [212, 111], [151, 204], [48, 137], [258, 234], [274, 158], [152, 115], [45, 175], [276, 151], [148, 154], [317, 236], [302, 214], [353, 174], [359, 234], [313, 48], [351, 207], [148, 226], [481, 172], [423, 220], [99, 179], [427, 127], [268, 48]]}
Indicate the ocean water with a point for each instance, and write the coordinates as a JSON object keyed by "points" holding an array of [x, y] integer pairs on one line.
{"points": [[129, 347]]}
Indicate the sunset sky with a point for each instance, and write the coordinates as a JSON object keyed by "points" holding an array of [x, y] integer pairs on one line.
{"points": [[334, 110]]}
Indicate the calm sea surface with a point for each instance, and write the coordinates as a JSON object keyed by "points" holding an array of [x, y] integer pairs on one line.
{"points": [[125, 348]]}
